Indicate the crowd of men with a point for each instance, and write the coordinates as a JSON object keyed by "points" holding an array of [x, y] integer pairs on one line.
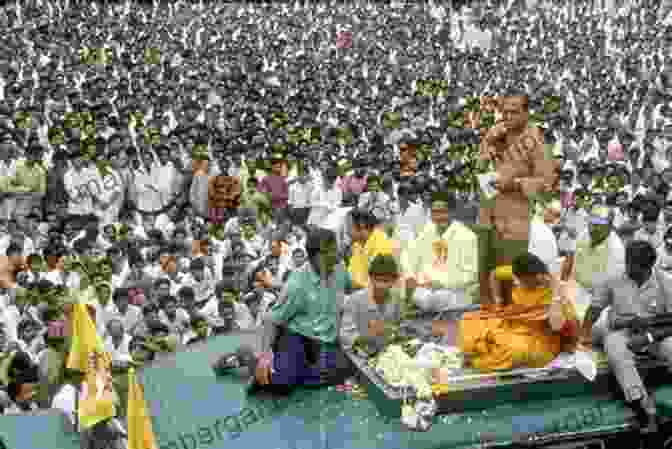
{"points": [[115, 119]]}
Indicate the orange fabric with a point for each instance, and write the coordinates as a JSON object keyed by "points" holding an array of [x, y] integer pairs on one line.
{"points": [[513, 336]]}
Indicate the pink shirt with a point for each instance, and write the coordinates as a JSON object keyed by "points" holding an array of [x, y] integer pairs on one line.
{"points": [[353, 184]]}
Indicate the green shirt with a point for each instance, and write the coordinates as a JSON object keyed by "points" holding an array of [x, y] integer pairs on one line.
{"points": [[312, 307]]}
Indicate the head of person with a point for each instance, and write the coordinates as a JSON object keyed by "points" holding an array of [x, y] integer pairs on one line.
{"points": [[226, 291], [599, 225], [139, 350], [373, 184], [168, 258], [15, 256], [161, 287], [383, 274], [650, 218], [28, 329], [121, 299], [277, 166], [115, 328], [199, 325], [197, 269], [103, 292], [277, 241], [169, 305], [248, 222], [514, 110], [442, 204], [640, 256], [363, 223], [322, 250], [299, 257], [530, 272]]}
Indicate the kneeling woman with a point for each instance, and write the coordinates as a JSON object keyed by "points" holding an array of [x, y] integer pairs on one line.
{"points": [[536, 327], [299, 331]]}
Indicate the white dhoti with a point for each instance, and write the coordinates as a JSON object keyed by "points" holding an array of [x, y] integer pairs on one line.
{"points": [[442, 300]]}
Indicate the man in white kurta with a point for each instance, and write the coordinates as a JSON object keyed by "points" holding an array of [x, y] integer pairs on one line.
{"points": [[446, 281]]}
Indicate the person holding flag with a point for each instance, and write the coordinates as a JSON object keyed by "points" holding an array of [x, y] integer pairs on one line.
{"points": [[96, 409]]}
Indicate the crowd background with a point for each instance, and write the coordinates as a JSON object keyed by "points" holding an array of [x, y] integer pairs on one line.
{"points": [[111, 155]]}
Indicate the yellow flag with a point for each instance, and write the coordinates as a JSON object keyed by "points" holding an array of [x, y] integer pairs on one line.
{"points": [[140, 433], [87, 355], [85, 339]]}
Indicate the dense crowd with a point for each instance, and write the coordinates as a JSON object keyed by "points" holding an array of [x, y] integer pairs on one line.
{"points": [[196, 151]]}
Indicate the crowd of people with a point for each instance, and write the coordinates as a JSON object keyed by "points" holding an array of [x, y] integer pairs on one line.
{"points": [[204, 152]]}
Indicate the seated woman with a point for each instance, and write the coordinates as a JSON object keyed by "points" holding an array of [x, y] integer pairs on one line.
{"points": [[539, 324]]}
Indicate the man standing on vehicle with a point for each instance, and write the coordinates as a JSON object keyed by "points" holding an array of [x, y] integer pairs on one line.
{"points": [[635, 294]]}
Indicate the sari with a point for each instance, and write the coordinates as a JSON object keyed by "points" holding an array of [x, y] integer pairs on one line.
{"points": [[517, 335]]}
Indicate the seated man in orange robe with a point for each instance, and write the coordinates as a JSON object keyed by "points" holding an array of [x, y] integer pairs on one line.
{"points": [[536, 327]]}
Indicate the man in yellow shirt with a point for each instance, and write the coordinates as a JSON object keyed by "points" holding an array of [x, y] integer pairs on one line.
{"points": [[368, 241]]}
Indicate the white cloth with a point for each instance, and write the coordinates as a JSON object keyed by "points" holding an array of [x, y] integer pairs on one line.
{"points": [[543, 245], [105, 188], [323, 202], [300, 194], [121, 353], [132, 317], [66, 401], [78, 185]]}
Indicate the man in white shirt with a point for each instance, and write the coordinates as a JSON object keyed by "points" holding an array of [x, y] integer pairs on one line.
{"points": [[326, 198], [129, 315], [108, 193], [117, 342], [300, 191], [7, 172], [120, 266], [76, 181], [145, 191], [167, 176]]}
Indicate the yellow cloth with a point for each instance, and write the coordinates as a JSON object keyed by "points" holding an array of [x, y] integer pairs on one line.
{"points": [[504, 273], [85, 339], [377, 243], [140, 432], [458, 267], [97, 401], [513, 336]]}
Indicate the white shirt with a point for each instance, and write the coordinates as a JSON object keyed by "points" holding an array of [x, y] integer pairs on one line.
{"points": [[147, 195], [105, 188], [70, 280], [132, 317], [300, 194], [8, 169], [543, 245], [78, 186], [165, 225], [66, 400], [123, 352], [323, 202], [165, 177], [119, 279], [182, 320]]}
